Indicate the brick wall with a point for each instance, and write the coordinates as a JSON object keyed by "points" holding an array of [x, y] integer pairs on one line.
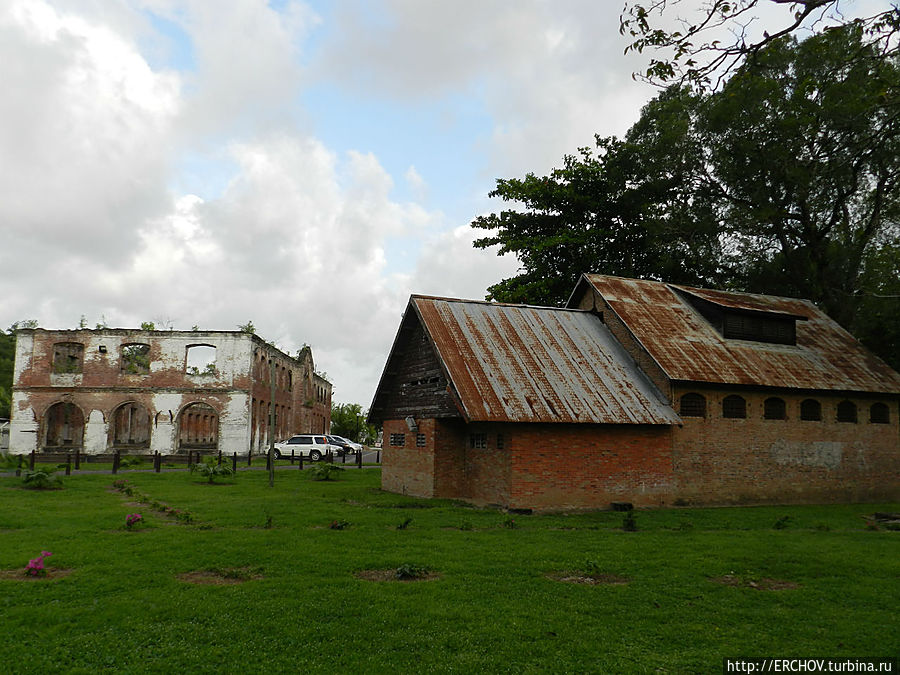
{"points": [[755, 460], [408, 469], [589, 466]]}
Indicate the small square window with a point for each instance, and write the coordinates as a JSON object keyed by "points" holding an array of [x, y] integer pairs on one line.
{"points": [[420, 440], [478, 441], [500, 441], [398, 440]]}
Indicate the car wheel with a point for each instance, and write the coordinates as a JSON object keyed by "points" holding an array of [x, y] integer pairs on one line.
{"points": [[315, 455], [276, 454]]}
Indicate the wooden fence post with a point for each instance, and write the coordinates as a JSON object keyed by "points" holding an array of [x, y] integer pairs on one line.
{"points": [[220, 458], [68, 464], [300, 463], [234, 463], [31, 462], [292, 456], [359, 459], [77, 458], [378, 457], [19, 467], [115, 468]]}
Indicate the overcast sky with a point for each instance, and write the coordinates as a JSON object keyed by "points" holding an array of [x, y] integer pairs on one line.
{"points": [[304, 165]]}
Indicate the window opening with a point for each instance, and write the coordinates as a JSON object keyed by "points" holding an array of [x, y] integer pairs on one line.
{"points": [[734, 407], [200, 360], [135, 359], [879, 414], [420, 440], [811, 410], [68, 357], [846, 412], [478, 441], [774, 409], [693, 405], [398, 440]]}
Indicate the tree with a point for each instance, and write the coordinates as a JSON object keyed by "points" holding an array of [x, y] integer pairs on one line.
{"points": [[804, 154], [696, 53], [349, 420], [785, 181], [247, 328], [629, 209]]}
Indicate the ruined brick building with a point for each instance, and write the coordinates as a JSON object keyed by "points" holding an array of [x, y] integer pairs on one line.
{"points": [[638, 391], [169, 391]]}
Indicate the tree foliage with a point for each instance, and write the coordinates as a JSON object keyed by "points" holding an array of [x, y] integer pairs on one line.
{"points": [[785, 181], [630, 208], [710, 43], [349, 420]]}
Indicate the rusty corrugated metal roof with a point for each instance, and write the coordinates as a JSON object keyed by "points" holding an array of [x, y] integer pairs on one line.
{"points": [[688, 348], [515, 363]]}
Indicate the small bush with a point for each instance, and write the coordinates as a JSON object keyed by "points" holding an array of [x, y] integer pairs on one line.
{"points": [[339, 524], [41, 479], [324, 471], [411, 571], [466, 525], [404, 524], [211, 469], [782, 523], [509, 523]]}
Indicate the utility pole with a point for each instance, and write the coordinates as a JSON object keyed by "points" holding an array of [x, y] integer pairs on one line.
{"points": [[271, 423]]}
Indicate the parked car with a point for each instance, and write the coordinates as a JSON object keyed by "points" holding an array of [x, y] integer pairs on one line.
{"points": [[314, 446], [345, 443]]}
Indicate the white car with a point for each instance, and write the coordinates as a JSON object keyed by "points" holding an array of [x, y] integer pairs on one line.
{"points": [[313, 446], [345, 443]]}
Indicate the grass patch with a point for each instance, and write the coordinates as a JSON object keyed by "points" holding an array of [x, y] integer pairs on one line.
{"points": [[261, 560]]}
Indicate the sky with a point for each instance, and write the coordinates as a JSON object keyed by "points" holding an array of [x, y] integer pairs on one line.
{"points": [[302, 165]]}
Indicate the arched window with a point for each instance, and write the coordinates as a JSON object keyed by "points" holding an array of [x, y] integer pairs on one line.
{"points": [[131, 426], [846, 412], [63, 426], [811, 410], [879, 414], [774, 408], [692, 405], [734, 407], [198, 427]]}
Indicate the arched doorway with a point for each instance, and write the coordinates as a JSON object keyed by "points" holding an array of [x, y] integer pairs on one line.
{"points": [[198, 427], [63, 426], [130, 426]]}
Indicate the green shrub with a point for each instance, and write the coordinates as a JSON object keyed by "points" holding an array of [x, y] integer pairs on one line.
{"points": [[782, 523], [211, 469], [411, 571], [324, 471], [41, 479]]}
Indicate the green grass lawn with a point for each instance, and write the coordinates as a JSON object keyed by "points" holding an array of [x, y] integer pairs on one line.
{"points": [[492, 608]]}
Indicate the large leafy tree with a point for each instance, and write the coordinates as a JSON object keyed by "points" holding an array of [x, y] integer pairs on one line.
{"points": [[630, 208], [803, 147], [783, 181], [702, 46]]}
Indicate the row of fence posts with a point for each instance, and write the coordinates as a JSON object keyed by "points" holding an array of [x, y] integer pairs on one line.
{"points": [[157, 460]]}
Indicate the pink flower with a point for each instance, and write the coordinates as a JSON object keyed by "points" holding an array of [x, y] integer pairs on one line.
{"points": [[46, 554]]}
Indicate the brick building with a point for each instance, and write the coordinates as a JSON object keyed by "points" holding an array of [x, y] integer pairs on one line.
{"points": [[169, 391], [639, 391]]}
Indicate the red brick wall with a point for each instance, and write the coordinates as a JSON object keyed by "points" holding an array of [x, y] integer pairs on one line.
{"points": [[541, 466], [754, 460], [589, 466], [408, 470]]}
